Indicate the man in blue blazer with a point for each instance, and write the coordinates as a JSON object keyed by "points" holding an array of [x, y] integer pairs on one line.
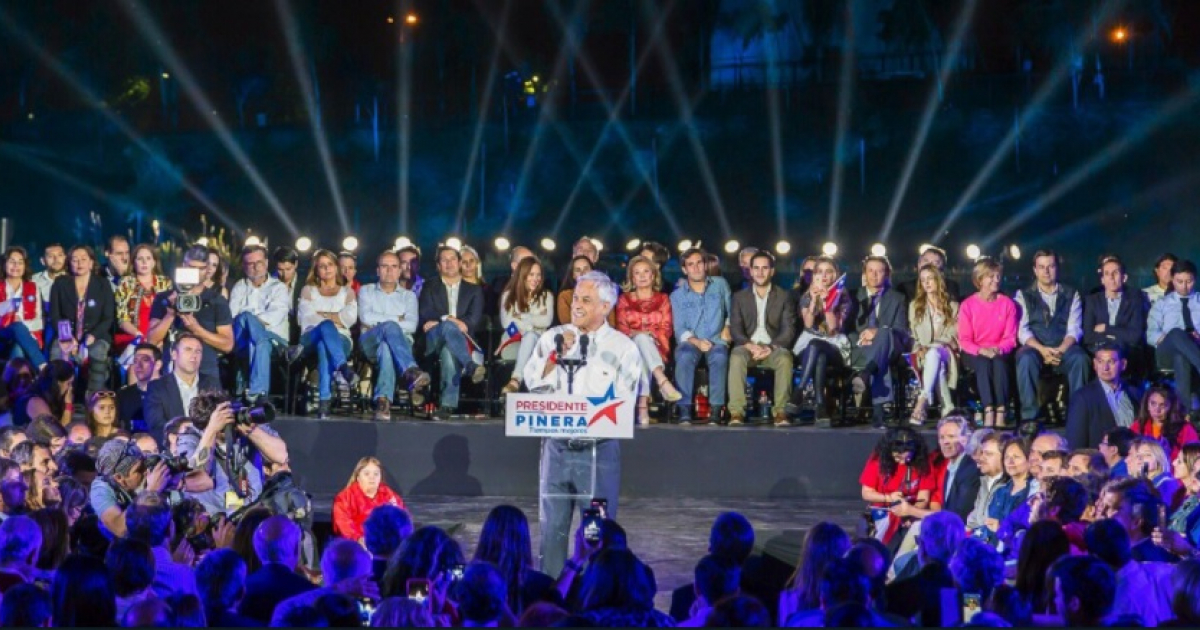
{"points": [[170, 395], [451, 310], [878, 334], [1116, 315], [1104, 404]]}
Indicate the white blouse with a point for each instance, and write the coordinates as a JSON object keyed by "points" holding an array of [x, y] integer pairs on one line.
{"points": [[538, 318], [312, 303]]}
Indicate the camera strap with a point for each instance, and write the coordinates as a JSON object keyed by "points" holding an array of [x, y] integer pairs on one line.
{"points": [[233, 466]]}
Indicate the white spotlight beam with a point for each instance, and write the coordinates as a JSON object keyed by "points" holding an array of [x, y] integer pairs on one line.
{"points": [[296, 52], [845, 95], [931, 107], [179, 72]]}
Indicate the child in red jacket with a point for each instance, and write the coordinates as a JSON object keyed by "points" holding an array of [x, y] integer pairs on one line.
{"points": [[364, 492]]}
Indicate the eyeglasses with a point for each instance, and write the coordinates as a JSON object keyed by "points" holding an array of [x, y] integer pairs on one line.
{"points": [[104, 394]]}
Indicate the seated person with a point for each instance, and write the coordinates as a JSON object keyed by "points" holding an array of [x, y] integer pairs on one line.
{"points": [[526, 311], [896, 472], [1171, 329], [763, 326], [51, 394], [284, 261], [644, 315], [1104, 404], [212, 324], [987, 336], [20, 309], [825, 314], [562, 307], [102, 416], [171, 396], [135, 293], [327, 311], [1050, 331], [1135, 505], [936, 258], [1116, 315], [1162, 277], [1161, 418], [700, 309], [933, 318], [348, 270], [388, 314], [235, 469], [259, 305], [87, 311], [364, 492], [1153, 466], [1012, 493], [878, 334], [451, 310], [147, 362]]}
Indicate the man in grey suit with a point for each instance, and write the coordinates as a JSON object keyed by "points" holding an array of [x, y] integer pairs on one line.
{"points": [[762, 323], [878, 334]]}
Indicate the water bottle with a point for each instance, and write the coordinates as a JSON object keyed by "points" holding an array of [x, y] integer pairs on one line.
{"points": [[703, 409], [764, 405]]}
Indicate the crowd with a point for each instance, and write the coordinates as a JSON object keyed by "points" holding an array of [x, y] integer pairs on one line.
{"points": [[170, 502]]}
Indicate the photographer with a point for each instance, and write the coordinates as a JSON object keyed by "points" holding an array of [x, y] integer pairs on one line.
{"points": [[210, 320], [122, 474], [231, 447]]}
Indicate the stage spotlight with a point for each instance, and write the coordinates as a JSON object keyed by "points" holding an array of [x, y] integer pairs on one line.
{"points": [[502, 244], [878, 249], [303, 244], [411, 19], [350, 243], [1120, 34], [402, 242], [782, 248], [633, 245], [166, 75], [251, 241], [1014, 252], [923, 248], [454, 242], [599, 245], [973, 252], [829, 249], [548, 244], [731, 247], [203, 241], [684, 245]]}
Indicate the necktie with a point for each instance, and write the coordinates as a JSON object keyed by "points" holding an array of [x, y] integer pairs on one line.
{"points": [[872, 320], [1186, 309]]}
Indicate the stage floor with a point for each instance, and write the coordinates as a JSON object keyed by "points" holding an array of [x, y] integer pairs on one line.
{"points": [[670, 534]]}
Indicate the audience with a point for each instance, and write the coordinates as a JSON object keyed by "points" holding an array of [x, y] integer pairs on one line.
{"points": [[221, 584], [1084, 588], [345, 569], [82, 595], [505, 543]]}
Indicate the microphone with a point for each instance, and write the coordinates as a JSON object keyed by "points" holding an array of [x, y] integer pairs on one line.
{"points": [[583, 346], [558, 344]]}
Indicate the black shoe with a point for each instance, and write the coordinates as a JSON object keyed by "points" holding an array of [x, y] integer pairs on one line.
{"points": [[418, 380], [323, 409], [293, 353], [349, 376]]}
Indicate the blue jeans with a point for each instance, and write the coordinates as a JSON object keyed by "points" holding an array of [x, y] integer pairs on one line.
{"points": [[22, 343], [450, 344], [392, 352], [686, 358], [331, 348], [1074, 366], [252, 338], [875, 360]]}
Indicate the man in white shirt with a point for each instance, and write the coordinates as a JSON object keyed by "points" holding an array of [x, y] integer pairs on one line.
{"points": [[614, 365], [763, 326], [1050, 331], [388, 315], [259, 305], [171, 396], [54, 259]]}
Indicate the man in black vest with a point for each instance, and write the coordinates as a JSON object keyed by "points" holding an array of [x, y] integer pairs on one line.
{"points": [[878, 333], [1050, 331]]}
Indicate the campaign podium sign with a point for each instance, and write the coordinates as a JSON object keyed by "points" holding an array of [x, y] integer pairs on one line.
{"points": [[562, 416]]}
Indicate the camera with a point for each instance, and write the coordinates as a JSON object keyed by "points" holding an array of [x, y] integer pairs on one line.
{"points": [[188, 303], [185, 279], [175, 464], [260, 413]]}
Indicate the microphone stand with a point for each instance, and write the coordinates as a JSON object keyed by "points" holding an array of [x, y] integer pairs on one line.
{"points": [[572, 365]]}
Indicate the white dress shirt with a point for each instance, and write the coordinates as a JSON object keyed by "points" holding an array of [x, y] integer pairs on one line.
{"points": [[187, 392], [376, 306], [452, 297], [613, 361], [312, 303], [43, 281], [270, 302], [1074, 315], [1154, 292], [761, 336]]}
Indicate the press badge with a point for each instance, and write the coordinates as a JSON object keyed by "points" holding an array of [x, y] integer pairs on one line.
{"points": [[233, 502]]}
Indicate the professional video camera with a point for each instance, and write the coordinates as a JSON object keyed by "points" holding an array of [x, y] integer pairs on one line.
{"points": [[259, 413], [186, 278]]}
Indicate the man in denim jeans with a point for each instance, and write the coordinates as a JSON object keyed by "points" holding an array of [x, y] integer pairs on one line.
{"points": [[259, 305], [700, 309], [388, 313]]}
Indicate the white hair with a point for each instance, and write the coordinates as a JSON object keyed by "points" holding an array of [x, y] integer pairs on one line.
{"points": [[606, 289]]}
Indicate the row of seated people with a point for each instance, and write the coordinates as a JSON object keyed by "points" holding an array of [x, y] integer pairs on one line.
{"points": [[816, 325]]}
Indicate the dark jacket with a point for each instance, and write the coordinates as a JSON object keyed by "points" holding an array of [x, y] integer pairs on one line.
{"points": [[268, 586], [130, 414], [99, 313], [163, 402], [920, 594], [964, 490], [1089, 417], [891, 313], [780, 317], [433, 303], [1130, 330]]}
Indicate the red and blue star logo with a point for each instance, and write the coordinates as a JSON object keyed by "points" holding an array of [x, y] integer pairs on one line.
{"points": [[609, 411]]}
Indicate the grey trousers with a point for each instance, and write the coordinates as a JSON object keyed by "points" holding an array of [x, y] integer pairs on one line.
{"points": [[566, 469]]}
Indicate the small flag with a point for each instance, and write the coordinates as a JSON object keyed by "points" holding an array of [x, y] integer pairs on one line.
{"points": [[514, 336], [835, 291]]}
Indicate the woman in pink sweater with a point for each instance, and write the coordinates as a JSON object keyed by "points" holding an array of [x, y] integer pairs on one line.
{"points": [[987, 336]]}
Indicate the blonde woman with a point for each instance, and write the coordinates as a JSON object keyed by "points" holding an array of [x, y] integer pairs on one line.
{"points": [[364, 492], [987, 335], [644, 315], [933, 319], [527, 310], [327, 309]]}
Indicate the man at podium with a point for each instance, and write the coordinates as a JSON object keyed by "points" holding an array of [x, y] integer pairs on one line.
{"points": [[605, 363]]}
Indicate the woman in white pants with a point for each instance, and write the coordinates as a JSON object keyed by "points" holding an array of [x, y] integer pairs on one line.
{"points": [[933, 317], [644, 315], [526, 311]]}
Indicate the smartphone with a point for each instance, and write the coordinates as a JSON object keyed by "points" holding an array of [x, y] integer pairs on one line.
{"points": [[601, 507], [971, 604], [64, 331], [366, 610], [591, 525], [187, 276], [457, 571], [418, 589]]}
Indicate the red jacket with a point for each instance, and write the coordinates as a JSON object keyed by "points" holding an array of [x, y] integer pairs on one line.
{"points": [[351, 507]]}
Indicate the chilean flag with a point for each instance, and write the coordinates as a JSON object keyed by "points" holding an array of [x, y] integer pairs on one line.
{"points": [[835, 291], [514, 336]]}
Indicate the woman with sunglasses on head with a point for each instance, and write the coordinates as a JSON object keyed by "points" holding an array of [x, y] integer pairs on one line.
{"points": [[20, 309], [102, 415]]}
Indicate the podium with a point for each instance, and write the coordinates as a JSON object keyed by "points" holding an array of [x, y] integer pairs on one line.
{"points": [[579, 459]]}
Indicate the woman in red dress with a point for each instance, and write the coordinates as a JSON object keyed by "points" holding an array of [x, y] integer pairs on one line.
{"points": [[364, 492], [644, 314], [135, 295], [898, 471]]}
